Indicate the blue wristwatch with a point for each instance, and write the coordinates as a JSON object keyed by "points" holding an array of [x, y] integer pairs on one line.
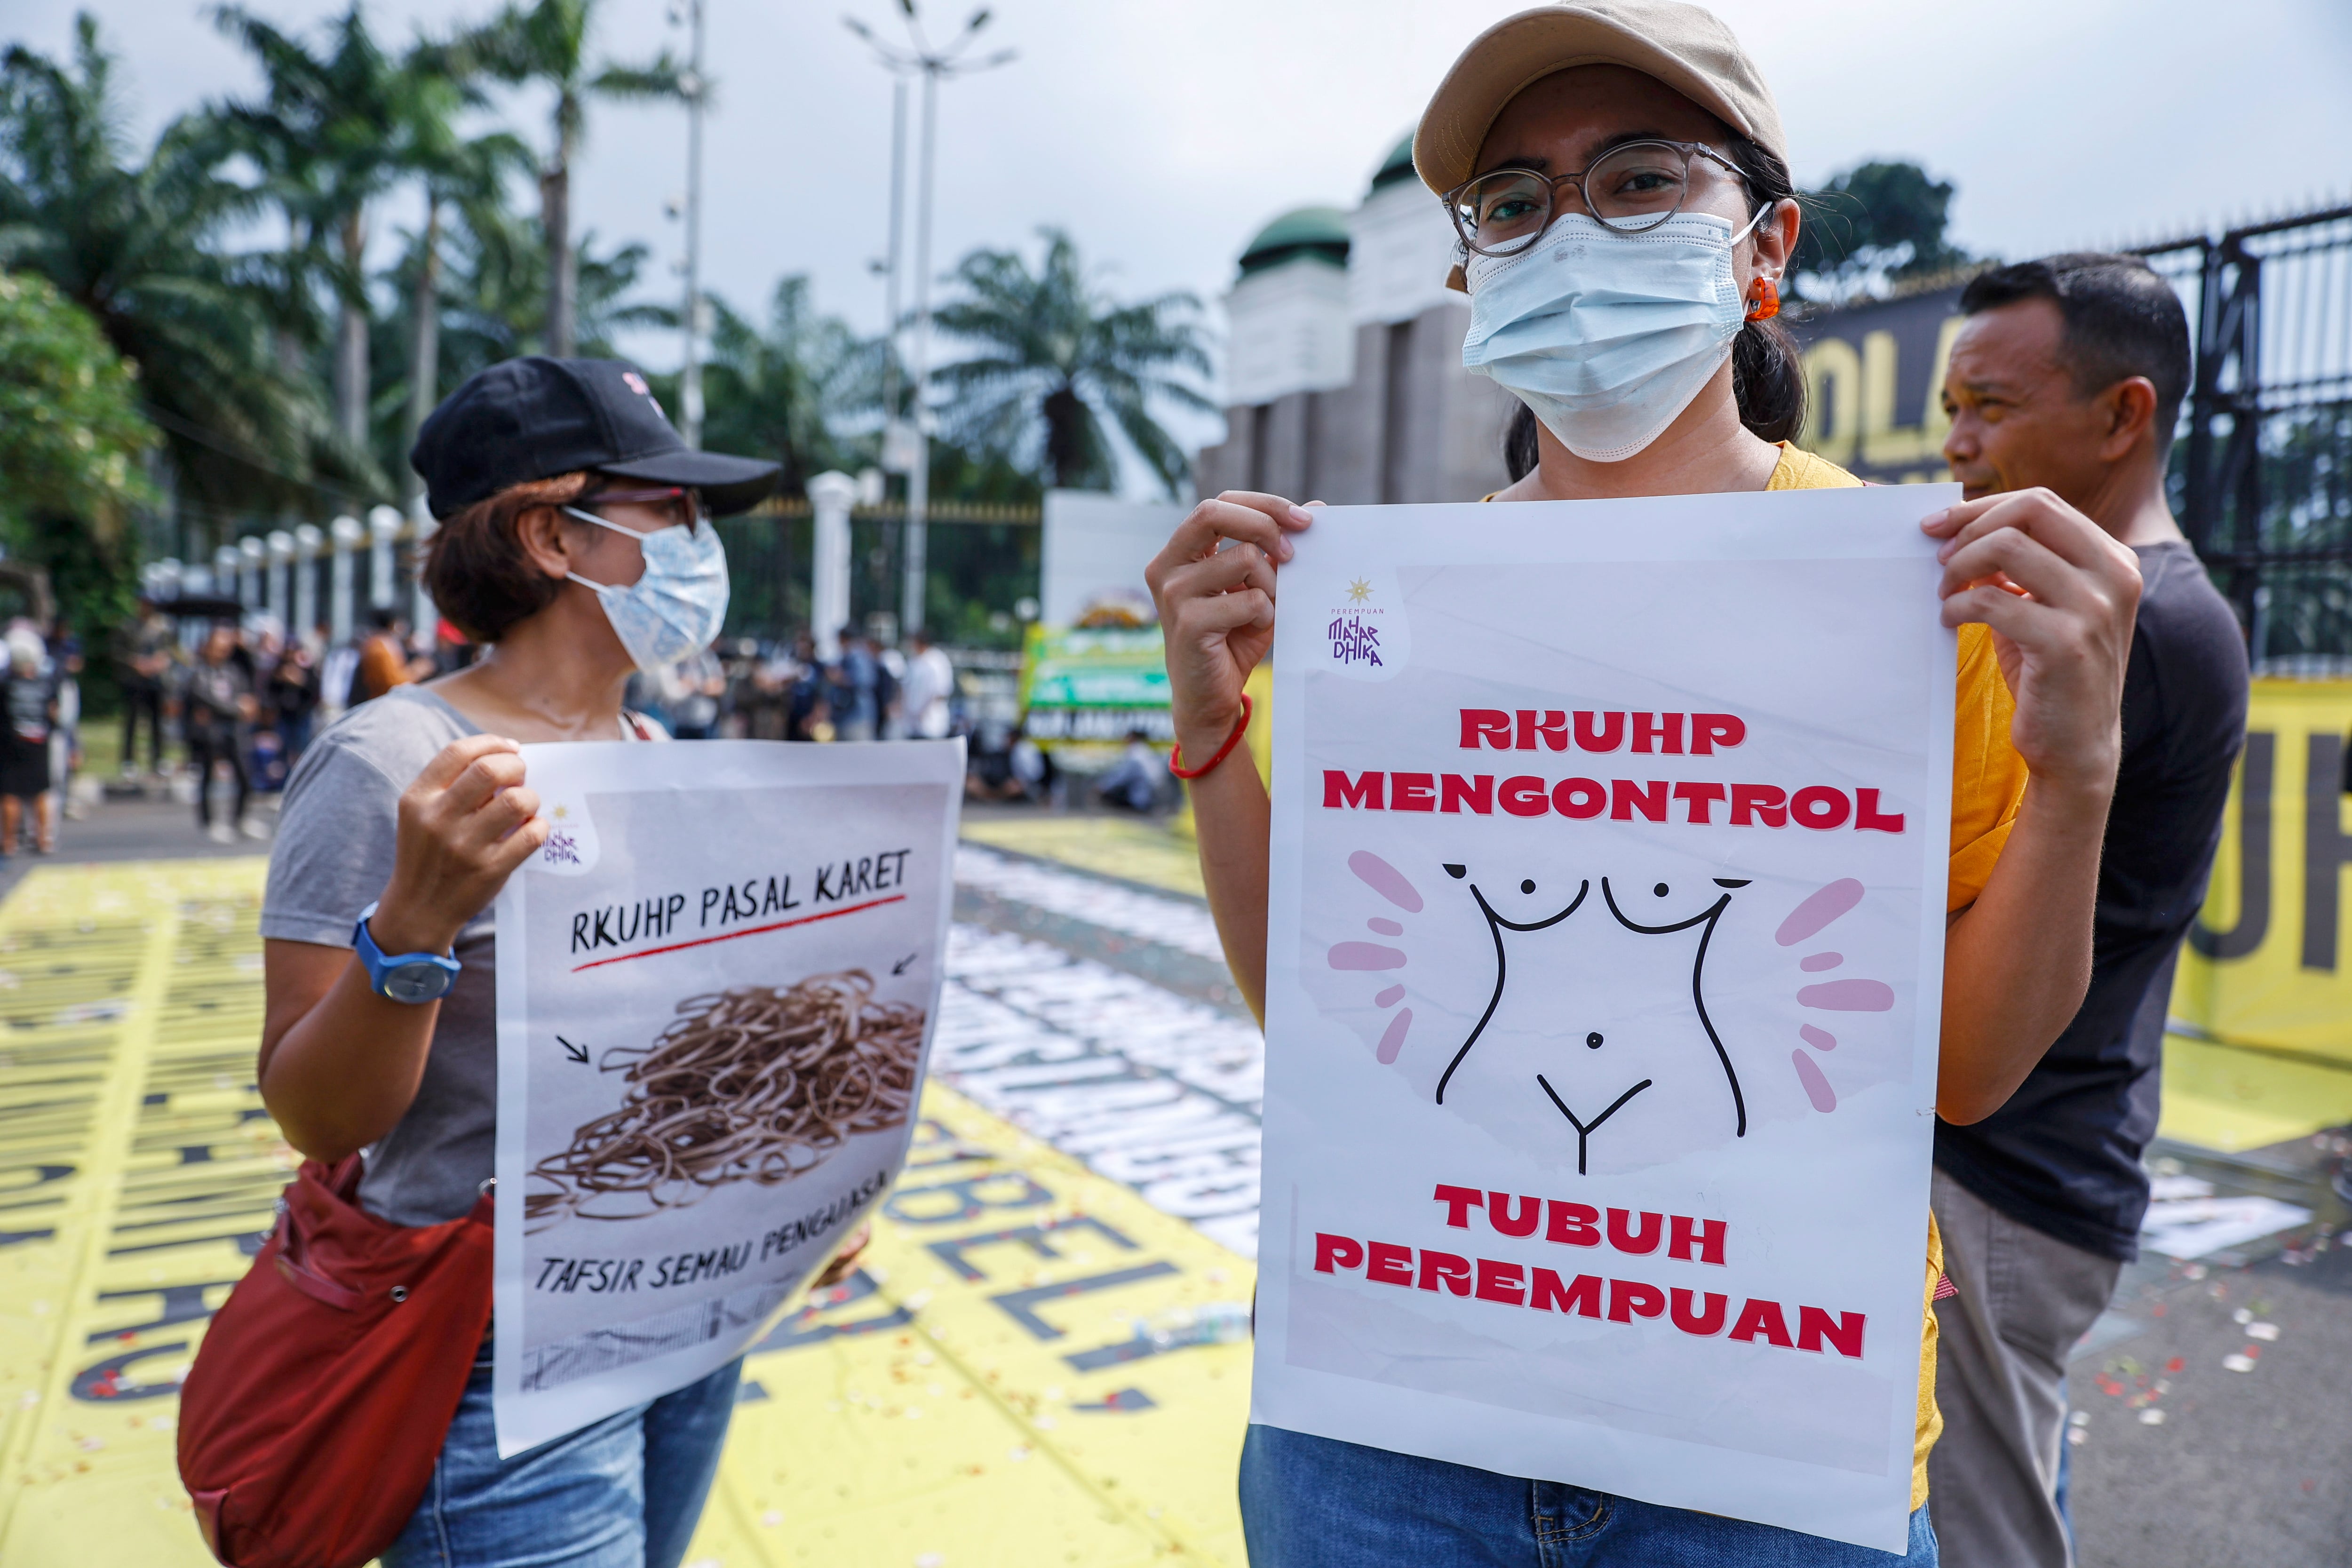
{"points": [[403, 977]]}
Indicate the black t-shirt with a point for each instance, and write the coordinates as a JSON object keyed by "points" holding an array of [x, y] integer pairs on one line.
{"points": [[2062, 1155], [215, 695]]}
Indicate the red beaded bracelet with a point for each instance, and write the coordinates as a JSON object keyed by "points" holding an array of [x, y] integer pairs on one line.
{"points": [[1241, 725]]}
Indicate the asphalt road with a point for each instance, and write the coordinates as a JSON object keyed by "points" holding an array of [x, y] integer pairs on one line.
{"points": [[2251, 1469]]}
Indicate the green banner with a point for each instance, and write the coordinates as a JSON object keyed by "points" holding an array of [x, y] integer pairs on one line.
{"points": [[1094, 685]]}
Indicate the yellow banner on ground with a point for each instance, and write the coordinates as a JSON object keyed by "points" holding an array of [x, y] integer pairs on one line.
{"points": [[1032, 1367]]}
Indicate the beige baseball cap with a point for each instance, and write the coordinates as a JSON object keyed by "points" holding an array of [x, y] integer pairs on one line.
{"points": [[1682, 46]]}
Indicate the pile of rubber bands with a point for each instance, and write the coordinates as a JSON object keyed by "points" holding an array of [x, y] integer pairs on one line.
{"points": [[754, 1084]]}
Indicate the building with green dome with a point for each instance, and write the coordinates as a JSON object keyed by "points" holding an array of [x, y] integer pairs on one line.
{"points": [[1343, 360]]}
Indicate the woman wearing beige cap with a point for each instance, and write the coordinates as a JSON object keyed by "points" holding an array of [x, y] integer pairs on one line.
{"points": [[1634, 144]]}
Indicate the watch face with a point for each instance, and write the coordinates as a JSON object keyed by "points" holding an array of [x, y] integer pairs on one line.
{"points": [[417, 982]]}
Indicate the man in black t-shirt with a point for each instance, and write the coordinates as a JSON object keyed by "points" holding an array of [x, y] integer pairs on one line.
{"points": [[2069, 375]]}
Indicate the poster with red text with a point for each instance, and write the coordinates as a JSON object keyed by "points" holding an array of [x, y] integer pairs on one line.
{"points": [[1604, 966], [718, 982]]}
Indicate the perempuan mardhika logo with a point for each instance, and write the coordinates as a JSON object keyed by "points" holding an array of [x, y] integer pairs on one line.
{"points": [[1355, 629]]}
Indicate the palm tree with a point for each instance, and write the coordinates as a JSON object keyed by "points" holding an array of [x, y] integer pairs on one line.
{"points": [[137, 243], [1055, 357], [331, 133], [777, 393], [463, 177], [547, 41], [494, 295]]}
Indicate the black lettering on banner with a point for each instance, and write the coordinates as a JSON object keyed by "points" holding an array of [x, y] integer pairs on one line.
{"points": [[1021, 1305], [104, 1380], [2255, 768], [182, 1304], [1032, 1237], [945, 1203], [2327, 849]]}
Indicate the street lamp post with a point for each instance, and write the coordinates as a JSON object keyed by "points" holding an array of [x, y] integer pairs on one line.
{"points": [[693, 85], [934, 65]]}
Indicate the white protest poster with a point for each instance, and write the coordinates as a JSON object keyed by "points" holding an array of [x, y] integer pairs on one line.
{"points": [[1604, 968], [718, 981]]}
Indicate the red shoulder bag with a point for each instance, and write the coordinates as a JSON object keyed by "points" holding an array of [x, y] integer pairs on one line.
{"points": [[326, 1384]]}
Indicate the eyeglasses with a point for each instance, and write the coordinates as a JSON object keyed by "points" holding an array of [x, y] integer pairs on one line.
{"points": [[680, 504], [1632, 187]]}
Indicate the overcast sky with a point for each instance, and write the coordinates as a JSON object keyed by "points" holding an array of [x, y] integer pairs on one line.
{"points": [[1161, 135]]}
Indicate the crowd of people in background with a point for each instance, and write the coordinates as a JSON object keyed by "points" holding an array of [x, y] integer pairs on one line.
{"points": [[40, 697], [220, 710]]}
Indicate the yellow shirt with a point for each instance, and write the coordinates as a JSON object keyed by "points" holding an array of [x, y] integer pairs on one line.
{"points": [[1987, 781]]}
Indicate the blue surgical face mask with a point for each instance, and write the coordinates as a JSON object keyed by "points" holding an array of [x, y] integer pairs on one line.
{"points": [[1608, 336], [675, 610]]}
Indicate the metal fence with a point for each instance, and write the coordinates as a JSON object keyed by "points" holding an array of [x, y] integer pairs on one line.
{"points": [[981, 558], [2262, 472]]}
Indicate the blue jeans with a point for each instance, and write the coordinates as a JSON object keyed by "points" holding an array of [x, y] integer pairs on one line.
{"points": [[624, 1493], [1314, 1503]]}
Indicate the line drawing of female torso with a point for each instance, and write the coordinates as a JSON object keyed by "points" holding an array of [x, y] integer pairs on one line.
{"points": [[1614, 1059]]}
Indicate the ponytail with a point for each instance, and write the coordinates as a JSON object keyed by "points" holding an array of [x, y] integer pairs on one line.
{"points": [[1767, 377]]}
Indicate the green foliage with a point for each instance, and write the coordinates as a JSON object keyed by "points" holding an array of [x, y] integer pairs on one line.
{"points": [[70, 434], [207, 301], [1053, 358], [1875, 224], [780, 392], [72, 444], [138, 243]]}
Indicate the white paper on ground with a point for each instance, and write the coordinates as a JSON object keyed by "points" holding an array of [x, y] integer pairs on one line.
{"points": [[2191, 1227], [1505, 941], [674, 874]]}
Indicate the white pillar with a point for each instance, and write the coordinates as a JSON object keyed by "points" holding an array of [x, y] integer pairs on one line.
{"points": [[281, 555], [251, 553], [383, 527], [307, 540], [346, 533], [160, 579], [423, 615], [227, 563], [830, 493]]}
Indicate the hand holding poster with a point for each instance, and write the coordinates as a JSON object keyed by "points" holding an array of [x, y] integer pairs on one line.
{"points": [[1605, 949], [717, 981]]}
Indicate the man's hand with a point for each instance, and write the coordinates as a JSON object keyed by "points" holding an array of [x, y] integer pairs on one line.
{"points": [[1217, 607], [465, 824], [2060, 596]]}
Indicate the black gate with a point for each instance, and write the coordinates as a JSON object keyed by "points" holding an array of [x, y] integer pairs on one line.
{"points": [[2261, 473]]}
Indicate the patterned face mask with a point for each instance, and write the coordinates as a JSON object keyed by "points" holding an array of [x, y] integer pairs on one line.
{"points": [[675, 610]]}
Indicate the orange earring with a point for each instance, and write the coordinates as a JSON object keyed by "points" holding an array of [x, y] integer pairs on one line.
{"points": [[1767, 303]]}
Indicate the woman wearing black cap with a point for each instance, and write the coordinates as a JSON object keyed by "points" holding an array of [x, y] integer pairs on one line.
{"points": [[1617, 176], [574, 543]]}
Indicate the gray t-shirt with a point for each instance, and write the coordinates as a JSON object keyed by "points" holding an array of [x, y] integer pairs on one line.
{"points": [[333, 858]]}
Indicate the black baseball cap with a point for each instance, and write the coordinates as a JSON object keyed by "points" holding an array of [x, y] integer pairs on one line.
{"points": [[535, 418]]}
